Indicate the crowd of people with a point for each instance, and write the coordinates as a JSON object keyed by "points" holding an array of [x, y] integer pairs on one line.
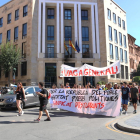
{"points": [[130, 93]]}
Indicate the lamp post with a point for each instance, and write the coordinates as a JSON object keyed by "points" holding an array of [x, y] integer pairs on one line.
{"points": [[14, 71]]}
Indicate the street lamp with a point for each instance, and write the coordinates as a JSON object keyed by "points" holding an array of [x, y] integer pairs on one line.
{"points": [[14, 71]]}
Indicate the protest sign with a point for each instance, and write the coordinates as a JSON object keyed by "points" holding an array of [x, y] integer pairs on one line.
{"points": [[87, 70], [88, 101]]}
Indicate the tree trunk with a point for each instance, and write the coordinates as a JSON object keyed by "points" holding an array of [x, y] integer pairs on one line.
{"points": [[9, 79]]}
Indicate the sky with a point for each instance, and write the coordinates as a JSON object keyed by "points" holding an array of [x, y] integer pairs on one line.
{"points": [[132, 13]]}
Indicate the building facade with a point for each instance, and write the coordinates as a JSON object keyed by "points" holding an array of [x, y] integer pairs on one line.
{"points": [[134, 55], [99, 27]]}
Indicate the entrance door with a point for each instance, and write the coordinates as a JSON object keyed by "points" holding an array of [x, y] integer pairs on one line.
{"points": [[90, 79], [70, 80]]}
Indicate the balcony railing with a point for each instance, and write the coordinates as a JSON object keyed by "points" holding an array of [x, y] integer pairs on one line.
{"points": [[87, 55], [50, 55]]}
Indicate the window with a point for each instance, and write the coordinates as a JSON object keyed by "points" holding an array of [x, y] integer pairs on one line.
{"points": [[109, 14], [120, 38], [114, 18], [84, 14], [121, 55], [70, 52], [50, 50], [111, 51], [1, 22], [85, 34], [25, 10], [0, 38], [8, 35], [110, 33], [125, 54], [116, 52], [122, 71], [119, 21], [115, 36], [16, 33], [123, 24], [67, 13], [68, 33], [17, 14], [124, 38], [9, 18], [112, 76], [24, 49], [30, 90], [50, 12], [24, 30], [23, 68], [126, 72], [50, 33], [85, 48]]}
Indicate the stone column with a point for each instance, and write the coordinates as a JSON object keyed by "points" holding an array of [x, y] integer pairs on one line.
{"points": [[93, 29], [57, 24], [62, 29], [43, 28]]}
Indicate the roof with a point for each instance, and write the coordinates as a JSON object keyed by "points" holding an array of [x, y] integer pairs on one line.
{"points": [[118, 6]]}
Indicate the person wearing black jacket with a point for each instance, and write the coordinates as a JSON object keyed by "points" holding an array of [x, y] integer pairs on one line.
{"points": [[43, 98]]}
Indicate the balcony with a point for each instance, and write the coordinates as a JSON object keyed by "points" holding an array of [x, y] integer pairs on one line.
{"points": [[87, 55], [50, 55]]}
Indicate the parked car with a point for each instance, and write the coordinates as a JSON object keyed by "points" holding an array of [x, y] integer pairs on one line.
{"points": [[8, 100]]}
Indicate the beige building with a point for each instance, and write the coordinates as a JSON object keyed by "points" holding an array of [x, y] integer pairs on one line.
{"points": [[50, 23]]}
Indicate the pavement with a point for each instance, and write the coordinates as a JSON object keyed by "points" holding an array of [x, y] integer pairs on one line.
{"points": [[130, 123], [64, 126]]}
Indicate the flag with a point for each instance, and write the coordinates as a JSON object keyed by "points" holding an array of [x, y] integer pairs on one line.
{"points": [[70, 44], [77, 47], [66, 47]]}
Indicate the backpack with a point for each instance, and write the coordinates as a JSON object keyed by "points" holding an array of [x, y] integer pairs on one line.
{"points": [[49, 96]]}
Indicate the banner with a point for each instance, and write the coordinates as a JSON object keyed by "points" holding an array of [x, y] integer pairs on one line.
{"points": [[88, 101], [87, 70]]}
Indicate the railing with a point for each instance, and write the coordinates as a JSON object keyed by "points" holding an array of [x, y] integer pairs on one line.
{"points": [[87, 55], [50, 55]]}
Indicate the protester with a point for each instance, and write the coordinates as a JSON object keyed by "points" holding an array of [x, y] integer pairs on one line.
{"points": [[98, 86], [67, 85], [121, 85], [54, 86], [134, 97], [62, 86], [86, 86], [109, 86], [75, 86], [79, 87], [43, 98], [115, 86], [89, 85], [125, 96], [106, 85], [20, 96]]}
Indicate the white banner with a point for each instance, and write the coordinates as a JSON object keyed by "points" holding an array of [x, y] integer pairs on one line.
{"points": [[87, 70], [88, 101]]}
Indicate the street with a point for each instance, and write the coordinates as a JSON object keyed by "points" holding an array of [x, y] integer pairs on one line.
{"points": [[64, 126]]}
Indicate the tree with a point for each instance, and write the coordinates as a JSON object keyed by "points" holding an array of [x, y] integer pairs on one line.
{"points": [[136, 79], [10, 56]]}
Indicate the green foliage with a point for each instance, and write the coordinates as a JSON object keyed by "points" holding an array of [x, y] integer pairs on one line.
{"points": [[101, 83], [137, 79], [137, 73], [10, 56]]}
